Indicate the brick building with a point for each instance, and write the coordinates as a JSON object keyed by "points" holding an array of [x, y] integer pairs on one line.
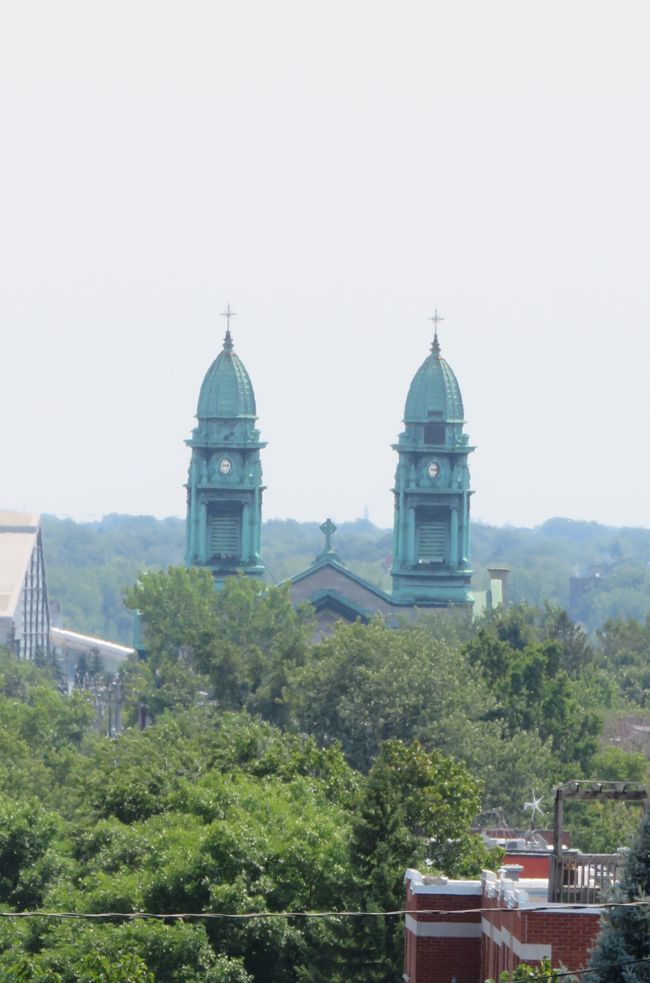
{"points": [[470, 931], [543, 903]]}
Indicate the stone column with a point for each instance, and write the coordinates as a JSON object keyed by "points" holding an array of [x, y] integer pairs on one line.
{"points": [[410, 539], [246, 532], [465, 527], [453, 546], [203, 533]]}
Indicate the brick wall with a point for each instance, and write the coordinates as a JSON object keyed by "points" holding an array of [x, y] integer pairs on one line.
{"points": [[445, 941], [569, 934], [445, 946]]}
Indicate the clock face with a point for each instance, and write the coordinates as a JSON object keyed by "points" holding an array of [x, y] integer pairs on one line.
{"points": [[433, 470], [225, 465]]}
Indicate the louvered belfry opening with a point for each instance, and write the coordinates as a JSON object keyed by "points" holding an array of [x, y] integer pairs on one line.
{"points": [[434, 433], [432, 536], [225, 531]]}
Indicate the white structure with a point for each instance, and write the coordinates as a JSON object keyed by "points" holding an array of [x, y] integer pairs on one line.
{"points": [[70, 643], [24, 607]]}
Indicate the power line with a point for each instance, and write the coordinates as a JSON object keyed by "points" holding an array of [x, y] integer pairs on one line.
{"points": [[249, 915]]}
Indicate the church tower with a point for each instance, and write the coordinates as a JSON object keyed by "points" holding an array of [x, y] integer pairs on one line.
{"points": [[224, 488], [431, 532]]}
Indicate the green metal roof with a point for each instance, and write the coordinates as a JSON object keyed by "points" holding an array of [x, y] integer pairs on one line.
{"points": [[434, 393], [227, 392]]}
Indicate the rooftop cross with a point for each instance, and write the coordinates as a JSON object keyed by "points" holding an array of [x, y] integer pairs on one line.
{"points": [[328, 529], [227, 341], [228, 314], [435, 347]]}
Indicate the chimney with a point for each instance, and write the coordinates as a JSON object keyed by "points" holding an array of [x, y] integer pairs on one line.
{"points": [[498, 579]]}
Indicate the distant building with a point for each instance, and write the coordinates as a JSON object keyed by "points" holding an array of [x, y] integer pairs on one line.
{"points": [[598, 574], [24, 606], [69, 646], [26, 621], [72, 643], [431, 552]]}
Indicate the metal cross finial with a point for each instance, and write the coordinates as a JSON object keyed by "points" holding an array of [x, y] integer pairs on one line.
{"points": [[228, 314], [435, 347], [328, 529]]}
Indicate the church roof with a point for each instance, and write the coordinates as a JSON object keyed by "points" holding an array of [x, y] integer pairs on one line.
{"points": [[227, 391], [434, 393]]}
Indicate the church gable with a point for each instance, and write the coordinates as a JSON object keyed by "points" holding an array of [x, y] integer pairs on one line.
{"points": [[330, 586]]}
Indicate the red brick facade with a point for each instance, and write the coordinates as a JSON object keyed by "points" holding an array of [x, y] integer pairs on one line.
{"points": [[473, 930]]}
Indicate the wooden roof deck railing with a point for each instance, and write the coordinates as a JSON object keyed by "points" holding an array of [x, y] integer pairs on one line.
{"points": [[587, 878]]}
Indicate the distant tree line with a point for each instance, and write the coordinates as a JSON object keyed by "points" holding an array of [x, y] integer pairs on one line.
{"points": [[90, 564]]}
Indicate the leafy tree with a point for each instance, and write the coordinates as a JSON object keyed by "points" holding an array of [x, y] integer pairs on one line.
{"points": [[26, 970], [177, 608], [133, 778], [26, 832], [200, 812], [625, 644], [543, 971], [416, 808], [369, 683], [509, 767], [601, 827], [261, 639], [128, 968], [535, 691], [434, 798], [576, 651], [239, 642], [138, 951]]}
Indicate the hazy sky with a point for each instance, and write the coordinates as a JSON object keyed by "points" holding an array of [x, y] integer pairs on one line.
{"points": [[336, 171]]}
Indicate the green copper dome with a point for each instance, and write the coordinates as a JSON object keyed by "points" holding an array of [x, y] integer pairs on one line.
{"points": [[227, 392], [434, 393]]}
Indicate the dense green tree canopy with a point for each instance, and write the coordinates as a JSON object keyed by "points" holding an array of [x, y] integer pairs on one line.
{"points": [[238, 643], [367, 684], [534, 678], [281, 775], [204, 811]]}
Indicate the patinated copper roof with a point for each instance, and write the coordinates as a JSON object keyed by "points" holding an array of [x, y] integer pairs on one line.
{"points": [[227, 392], [434, 393]]}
